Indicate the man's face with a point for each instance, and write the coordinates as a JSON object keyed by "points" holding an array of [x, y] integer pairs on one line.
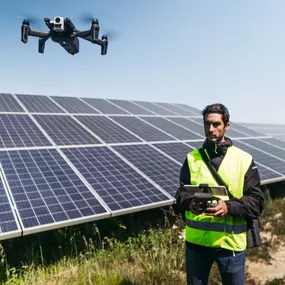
{"points": [[214, 127]]}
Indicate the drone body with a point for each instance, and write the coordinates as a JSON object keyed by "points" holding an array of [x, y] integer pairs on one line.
{"points": [[63, 32]]}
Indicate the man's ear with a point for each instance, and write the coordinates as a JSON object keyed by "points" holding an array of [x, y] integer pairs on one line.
{"points": [[227, 126]]}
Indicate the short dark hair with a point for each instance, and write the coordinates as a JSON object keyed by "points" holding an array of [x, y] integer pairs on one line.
{"points": [[219, 109]]}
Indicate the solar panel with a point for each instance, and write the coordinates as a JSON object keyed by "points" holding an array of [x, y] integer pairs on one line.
{"points": [[64, 130], [68, 160], [161, 169], [262, 157], [107, 130], [245, 130], [104, 106], [39, 104], [178, 150], [74, 105], [9, 104], [189, 108], [155, 108], [268, 148], [275, 142], [119, 185], [131, 107], [173, 129], [175, 109], [9, 226], [47, 192], [20, 131], [142, 129], [197, 128]]}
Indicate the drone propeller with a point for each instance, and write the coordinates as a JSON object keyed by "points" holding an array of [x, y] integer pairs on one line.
{"points": [[87, 18], [111, 35]]}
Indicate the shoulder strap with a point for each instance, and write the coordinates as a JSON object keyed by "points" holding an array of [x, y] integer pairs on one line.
{"points": [[213, 170]]}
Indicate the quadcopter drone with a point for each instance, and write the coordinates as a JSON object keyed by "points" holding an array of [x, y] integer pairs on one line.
{"points": [[63, 32]]}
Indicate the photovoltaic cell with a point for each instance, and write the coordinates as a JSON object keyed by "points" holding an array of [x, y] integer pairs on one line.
{"points": [[9, 104], [104, 106], [155, 109], [39, 104], [74, 105], [265, 173], [142, 129], [107, 130], [189, 125], [263, 158], [119, 186], [8, 223], [177, 150], [20, 131], [248, 132], [46, 190], [171, 128], [275, 142], [155, 165], [131, 107], [175, 109], [64, 130], [189, 108], [280, 153]]}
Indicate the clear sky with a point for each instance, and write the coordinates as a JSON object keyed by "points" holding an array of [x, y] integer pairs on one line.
{"points": [[183, 51]]}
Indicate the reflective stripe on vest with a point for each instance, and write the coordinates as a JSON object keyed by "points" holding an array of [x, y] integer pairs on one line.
{"points": [[224, 232], [216, 227]]}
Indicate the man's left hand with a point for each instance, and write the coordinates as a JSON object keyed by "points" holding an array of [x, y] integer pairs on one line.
{"points": [[219, 211]]}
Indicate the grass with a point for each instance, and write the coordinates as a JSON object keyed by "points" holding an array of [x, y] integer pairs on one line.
{"points": [[129, 250]]}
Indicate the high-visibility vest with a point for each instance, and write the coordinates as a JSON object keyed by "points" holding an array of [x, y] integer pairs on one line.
{"points": [[226, 232]]}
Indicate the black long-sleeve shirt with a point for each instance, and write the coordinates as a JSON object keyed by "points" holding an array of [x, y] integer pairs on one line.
{"points": [[248, 207]]}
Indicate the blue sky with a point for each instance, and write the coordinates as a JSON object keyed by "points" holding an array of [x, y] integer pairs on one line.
{"points": [[183, 51]]}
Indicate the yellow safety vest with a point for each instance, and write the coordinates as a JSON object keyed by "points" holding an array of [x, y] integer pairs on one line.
{"points": [[221, 232]]}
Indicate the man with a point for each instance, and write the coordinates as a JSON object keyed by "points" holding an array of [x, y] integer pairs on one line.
{"points": [[219, 234]]}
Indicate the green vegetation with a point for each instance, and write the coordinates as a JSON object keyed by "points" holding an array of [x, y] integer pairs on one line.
{"points": [[139, 249]]}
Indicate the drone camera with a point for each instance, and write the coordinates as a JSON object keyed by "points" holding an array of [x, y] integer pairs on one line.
{"points": [[58, 24]]}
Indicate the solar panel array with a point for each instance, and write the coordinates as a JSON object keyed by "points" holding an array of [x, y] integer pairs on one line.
{"points": [[275, 130], [67, 160]]}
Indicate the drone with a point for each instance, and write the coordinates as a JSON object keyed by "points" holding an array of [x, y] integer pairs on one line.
{"points": [[63, 32]]}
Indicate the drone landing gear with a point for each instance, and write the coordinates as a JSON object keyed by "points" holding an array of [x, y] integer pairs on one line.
{"points": [[42, 43], [104, 46]]}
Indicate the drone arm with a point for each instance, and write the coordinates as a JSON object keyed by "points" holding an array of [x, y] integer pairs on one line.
{"points": [[38, 34], [42, 42], [83, 34]]}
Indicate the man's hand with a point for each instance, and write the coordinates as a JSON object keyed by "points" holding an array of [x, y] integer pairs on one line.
{"points": [[219, 211]]}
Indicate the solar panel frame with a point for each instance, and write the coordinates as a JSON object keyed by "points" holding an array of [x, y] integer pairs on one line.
{"points": [[8, 104], [131, 107], [176, 150], [169, 127], [155, 164], [105, 107], [143, 129], [41, 104], [86, 159], [68, 130], [25, 200], [155, 108], [5, 197], [174, 109], [19, 130], [74, 105], [195, 111], [108, 130]]}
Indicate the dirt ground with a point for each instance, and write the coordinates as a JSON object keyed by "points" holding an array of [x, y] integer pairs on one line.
{"points": [[262, 271]]}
